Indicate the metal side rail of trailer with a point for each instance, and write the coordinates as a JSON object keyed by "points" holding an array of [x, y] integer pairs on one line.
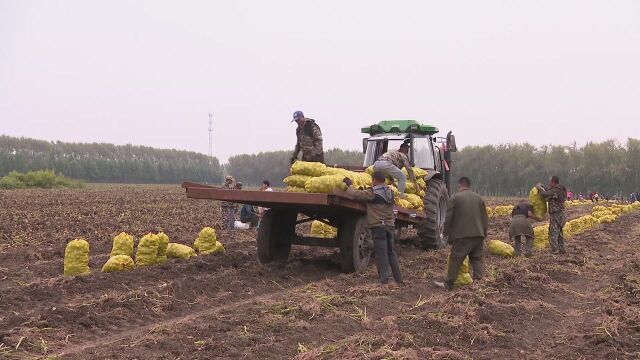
{"points": [[277, 231]]}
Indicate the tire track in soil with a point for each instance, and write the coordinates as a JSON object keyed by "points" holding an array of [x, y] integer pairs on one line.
{"points": [[131, 333]]}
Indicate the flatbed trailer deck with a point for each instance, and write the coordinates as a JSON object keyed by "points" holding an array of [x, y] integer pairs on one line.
{"points": [[277, 231]]}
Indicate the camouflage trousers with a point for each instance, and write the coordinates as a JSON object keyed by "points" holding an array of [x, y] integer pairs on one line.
{"points": [[556, 224], [228, 217]]}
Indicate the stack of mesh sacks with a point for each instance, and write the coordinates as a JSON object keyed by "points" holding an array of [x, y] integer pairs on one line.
{"points": [[605, 214], [152, 249], [313, 177], [414, 197], [207, 242], [490, 212], [322, 230], [120, 258], [504, 210]]}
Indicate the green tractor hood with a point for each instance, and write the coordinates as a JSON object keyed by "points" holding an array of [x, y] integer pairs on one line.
{"points": [[399, 126]]}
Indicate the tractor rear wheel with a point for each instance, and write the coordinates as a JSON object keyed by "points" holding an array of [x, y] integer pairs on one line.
{"points": [[274, 235], [430, 230], [356, 245]]}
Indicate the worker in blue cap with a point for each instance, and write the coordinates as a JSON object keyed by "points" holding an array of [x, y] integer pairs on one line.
{"points": [[309, 139]]}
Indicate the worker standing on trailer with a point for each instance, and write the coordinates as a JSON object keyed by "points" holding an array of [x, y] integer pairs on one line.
{"points": [[381, 221], [466, 227], [391, 164], [228, 208], [309, 139], [556, 196]]}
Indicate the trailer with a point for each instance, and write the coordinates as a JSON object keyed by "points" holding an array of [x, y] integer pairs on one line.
{"points": [[277, 231]]}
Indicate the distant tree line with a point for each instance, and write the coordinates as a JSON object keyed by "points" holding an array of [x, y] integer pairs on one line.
{"points": [[512, 169], [106, 162], [509, 169]]}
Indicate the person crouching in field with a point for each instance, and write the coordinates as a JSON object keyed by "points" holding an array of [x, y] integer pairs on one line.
{"points": [[381, 221], [521, 230]]}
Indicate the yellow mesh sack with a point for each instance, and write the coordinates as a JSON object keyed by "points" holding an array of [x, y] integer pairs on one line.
{"points": [[415, 200], [369, 171], [147, 250], [362, 180], [296, 180], [76, 258], [118, 263], [180, 251], [163, 242], [541, 237], [402, 203], [418, 172], [122, 245], [316, 229], [538, 203], [206, 241], [464, 278], [336, 171], [307, 168], [500, 248], [504, 210], [325, 184], [490, 212]]}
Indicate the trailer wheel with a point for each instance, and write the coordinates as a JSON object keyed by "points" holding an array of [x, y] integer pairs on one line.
{"points": [[356, 245], [431, 228], [274, 236]]}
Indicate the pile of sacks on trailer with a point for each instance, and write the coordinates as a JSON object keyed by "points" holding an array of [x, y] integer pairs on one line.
{"points": [[313, 177]]}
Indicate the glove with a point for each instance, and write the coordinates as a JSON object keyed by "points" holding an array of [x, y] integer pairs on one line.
{"points": [[347, 181]]}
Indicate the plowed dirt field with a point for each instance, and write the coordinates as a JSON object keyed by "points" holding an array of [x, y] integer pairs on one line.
{"points": [[583, 305]]}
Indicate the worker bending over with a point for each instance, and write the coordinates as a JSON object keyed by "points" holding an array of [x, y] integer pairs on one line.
{"points": [[391, 164]]}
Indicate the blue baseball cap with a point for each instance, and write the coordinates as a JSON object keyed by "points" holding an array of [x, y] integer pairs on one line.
{"points": [[297, 115]]}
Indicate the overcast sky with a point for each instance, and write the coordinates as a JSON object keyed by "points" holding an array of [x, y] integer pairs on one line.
{"points": [[149, 72]]}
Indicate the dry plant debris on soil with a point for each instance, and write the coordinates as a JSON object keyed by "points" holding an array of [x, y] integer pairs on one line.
{"points": [[585, 305]]}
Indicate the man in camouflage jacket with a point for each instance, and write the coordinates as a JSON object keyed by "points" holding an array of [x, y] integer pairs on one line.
{"points": [[556, 196], [309, 139]]}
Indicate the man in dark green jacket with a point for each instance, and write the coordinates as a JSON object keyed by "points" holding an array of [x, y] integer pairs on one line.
{"points": [[466, 228]]}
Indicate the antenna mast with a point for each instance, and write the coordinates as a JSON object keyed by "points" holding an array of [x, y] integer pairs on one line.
{"points": [[210, 134]]}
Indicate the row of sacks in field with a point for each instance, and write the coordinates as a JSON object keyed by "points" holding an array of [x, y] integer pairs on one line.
{"points": [[599, 215], [538, 205], [153, 249], [505, 210], [314, 177]]}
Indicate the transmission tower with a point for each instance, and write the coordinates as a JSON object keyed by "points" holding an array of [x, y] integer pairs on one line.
{"points": [[210, 134]]}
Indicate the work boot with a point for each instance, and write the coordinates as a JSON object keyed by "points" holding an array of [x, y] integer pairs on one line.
{"points": [[443, 284]]}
